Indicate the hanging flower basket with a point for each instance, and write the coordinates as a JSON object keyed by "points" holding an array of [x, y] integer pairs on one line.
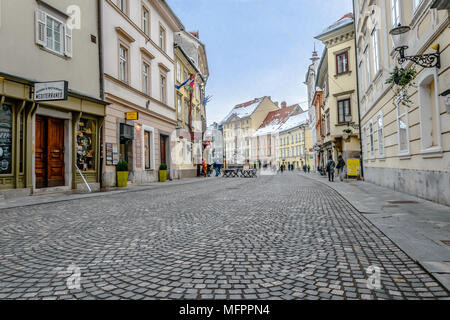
{"points": [[402, 79]]}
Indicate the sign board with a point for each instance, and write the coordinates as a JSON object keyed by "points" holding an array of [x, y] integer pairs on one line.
{"points": [[353, 167], [132, 116], [109, 154], [51, 91]]}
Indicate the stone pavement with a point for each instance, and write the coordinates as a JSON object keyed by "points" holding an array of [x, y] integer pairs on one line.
{"points": [[274, 237], [73, 195], [419, 227]]}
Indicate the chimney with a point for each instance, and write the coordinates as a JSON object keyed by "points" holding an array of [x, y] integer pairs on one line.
{"points": [[283, 105]]}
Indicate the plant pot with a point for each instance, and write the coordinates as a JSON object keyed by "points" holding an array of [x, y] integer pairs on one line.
{"points": [[162, 175], [122, 179]]}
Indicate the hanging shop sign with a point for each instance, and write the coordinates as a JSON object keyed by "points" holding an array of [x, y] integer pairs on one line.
{"points": [[352, 167], [51, 91], [132, 116]]}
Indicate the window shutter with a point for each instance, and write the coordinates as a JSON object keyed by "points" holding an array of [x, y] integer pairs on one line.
{"points": [[41, 35], [68, 41]]}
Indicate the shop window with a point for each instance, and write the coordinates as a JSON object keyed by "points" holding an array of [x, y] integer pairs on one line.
{"points": [[86, 136], [6, 130], [147, 149], [22, 146], [429, 111]]}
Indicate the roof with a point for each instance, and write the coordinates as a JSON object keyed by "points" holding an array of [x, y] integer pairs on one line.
{"points": [[274, 119], [342, 22], [294, 121], [245, 109]]}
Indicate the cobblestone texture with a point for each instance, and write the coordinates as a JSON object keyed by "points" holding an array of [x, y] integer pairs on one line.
{"points": [[275, 237]]}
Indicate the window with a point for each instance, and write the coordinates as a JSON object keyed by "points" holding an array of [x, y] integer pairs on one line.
{"points": [[361, 80], [146, 78], [147, 149], [368, 76], [376, 50], [163, 88], [178, 72], [380, 135], [53, 34], [186, 113], [6, 134], [395, 12], [162, 38], [123, 64], [417, 3], [342, 63], [146, 21], [344, 111], [402, 123], [364, 142], [328, 124], [371, 139], [122, 4], [86, 144], [429, 111], [179, 108]]}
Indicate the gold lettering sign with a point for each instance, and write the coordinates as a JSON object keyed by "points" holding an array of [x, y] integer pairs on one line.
{"points": [[132, 116]]}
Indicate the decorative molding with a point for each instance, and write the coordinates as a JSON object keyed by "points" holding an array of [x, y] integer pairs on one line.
{"points": [[163, 67], [147, 53], [125, 35]]}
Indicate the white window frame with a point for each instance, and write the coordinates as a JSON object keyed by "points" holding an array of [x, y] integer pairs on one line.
{"points": [[178, 72], [368, 70], [123, 61], [364, 143], [371, 140], [41, 24], [163, 89], [146, 77], [426, 77], [376, 50], [146, 21], [396, 16], [406, 152], [380, 135], [152, 147]]}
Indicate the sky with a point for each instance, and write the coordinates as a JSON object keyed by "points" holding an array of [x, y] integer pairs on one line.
{"points": [[257, 48]]}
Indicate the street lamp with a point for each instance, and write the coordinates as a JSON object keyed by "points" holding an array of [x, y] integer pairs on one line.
{"points": [[400, 39]]}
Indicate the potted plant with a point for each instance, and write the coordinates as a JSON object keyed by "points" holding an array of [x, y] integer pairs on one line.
{"points": [[347, 133], [163, 172], [402, 79], [122, 174]]}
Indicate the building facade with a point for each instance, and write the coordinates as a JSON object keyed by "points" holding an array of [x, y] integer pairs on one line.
{"points": [[295, 143], [190, 61], [337, 77], [406, 142], [45, 145], [240, 125], [139, 73]]}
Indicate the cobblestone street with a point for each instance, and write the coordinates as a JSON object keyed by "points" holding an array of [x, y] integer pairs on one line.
{"points": [[274, 237]]}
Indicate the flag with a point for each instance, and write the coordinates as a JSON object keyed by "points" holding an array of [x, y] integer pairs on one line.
{"points": [[182, 85]]}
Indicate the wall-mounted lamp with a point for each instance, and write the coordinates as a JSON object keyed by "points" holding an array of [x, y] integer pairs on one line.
{"points": [[400, 40]]}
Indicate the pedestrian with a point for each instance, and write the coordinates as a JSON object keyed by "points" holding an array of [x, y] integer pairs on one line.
{"points": [[304, 168], [340, 166], [205, 168], [309, 168], [331, 165]]}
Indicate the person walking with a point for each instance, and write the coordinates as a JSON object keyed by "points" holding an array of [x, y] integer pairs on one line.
{"points": [[205, 168], [309, 168], [331, 165], [340, 166]]}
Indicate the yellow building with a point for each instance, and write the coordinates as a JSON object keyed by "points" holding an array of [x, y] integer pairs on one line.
{"points": [[240, 125], [337, 77], [294, 143], [406, 142]]}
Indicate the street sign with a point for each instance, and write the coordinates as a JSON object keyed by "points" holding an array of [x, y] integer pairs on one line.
{"points": [[132, 116], [51, 91], [352, 167]]}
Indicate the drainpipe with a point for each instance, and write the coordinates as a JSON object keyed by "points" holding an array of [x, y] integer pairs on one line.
{"points": [[102, 82], [358, 95]]}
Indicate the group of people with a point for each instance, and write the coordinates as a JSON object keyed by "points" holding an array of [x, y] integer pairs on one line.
{"points": [[331, 166], [291, 167], [208, 168]]}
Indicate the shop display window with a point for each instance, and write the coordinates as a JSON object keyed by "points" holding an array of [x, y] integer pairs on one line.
{"points": [[86, 144], [6, 129]]}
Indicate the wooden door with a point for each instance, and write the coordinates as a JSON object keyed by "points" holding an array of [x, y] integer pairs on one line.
{"points": [[163, 149], [41, 152], [55, 153]]}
